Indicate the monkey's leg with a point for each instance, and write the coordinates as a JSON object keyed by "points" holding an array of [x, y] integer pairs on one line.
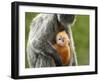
{"points": [[37, 59], [40, 54]]}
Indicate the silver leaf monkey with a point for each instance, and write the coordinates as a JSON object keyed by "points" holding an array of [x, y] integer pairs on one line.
{"points": [[43, 30]]}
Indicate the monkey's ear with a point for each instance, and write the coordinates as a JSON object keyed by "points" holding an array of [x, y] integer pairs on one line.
{"points": [[66, 19]]}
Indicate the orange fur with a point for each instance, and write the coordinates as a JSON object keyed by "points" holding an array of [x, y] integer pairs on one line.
{"points": [[62, 47]]}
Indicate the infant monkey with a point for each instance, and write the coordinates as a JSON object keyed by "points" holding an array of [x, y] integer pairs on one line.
{"points": [[62, 47]]}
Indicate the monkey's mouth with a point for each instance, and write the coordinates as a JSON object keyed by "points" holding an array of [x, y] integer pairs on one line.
{"points": [[60, 44]]}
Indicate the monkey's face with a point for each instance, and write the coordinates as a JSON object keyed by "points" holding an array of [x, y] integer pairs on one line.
{"points": [[66, 19], [62, 39]]}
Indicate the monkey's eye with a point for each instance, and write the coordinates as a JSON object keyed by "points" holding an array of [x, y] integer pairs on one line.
{"points": [[59, 38]]}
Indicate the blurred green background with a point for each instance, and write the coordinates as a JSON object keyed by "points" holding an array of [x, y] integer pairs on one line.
{"points": [[80, 32]]}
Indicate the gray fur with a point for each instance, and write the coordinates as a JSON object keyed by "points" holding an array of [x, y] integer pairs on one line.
{"points": [[43, 30]]}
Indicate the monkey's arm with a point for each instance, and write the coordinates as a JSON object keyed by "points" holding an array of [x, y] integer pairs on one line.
{"points": [[40, 54], [73, 61], [54, 54]]}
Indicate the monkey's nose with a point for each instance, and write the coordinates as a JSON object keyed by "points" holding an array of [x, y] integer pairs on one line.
{"points": [[62, 40]]}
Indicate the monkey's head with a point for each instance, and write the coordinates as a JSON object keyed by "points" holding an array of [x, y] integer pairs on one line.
{"points": [[66, 19], [62, 39]]}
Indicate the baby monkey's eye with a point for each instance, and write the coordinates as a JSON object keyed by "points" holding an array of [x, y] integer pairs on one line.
{"points": [[59, 38]]}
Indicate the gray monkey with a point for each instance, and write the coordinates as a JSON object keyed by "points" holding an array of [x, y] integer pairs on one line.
{"points": [[43, 30]]}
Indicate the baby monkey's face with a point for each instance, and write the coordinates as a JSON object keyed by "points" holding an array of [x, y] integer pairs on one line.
{"points": [[62, 39]]}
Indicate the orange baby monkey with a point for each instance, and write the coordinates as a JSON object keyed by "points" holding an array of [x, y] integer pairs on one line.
{"points": [[62, 47]]}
